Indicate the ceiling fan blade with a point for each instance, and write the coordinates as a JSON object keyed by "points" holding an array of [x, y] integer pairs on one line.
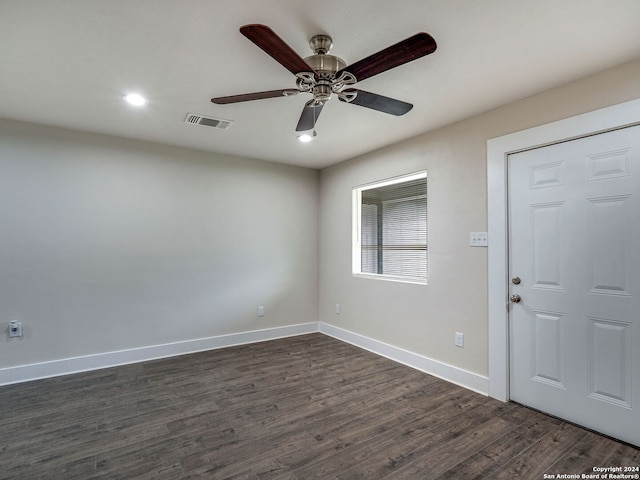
{"points": [[309, 116], [412, 48], [271, 43], [287, 92], [377, 102]]}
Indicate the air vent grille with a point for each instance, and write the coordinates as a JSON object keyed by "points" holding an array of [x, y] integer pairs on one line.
{"points": [[208, 121]]}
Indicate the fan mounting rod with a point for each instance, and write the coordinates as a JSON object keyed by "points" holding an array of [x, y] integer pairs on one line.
{"points": [[321, 44]]}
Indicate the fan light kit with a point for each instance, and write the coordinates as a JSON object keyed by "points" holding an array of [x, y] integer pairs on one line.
{"points": [[306, 137], [323, 75]]}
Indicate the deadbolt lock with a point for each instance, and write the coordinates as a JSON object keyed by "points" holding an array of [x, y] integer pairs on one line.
{"points": [[516, 280]]}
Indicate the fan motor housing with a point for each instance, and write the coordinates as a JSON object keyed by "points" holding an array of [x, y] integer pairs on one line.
{"points": [[325, 64]]}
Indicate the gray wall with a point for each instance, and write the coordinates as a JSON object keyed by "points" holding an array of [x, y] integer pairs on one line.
{"points": [[423, 319], [110, 244]]}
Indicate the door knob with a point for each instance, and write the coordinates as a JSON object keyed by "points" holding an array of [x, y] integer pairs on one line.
{"points": [[515, 298]]}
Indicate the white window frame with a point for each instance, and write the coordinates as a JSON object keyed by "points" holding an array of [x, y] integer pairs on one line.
{"points": [[356, 253]]}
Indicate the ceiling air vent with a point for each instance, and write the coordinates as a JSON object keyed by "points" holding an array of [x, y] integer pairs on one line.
{"points": [[208, 121]]}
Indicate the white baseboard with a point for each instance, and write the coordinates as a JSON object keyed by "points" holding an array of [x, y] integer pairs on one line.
{"points": [[36, 371], [464, 378]]}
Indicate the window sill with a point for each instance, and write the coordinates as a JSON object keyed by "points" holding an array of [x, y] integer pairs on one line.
{"points": [[390, 278]]}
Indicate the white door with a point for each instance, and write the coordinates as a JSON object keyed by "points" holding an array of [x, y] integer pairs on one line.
{"points": [[574, 245]]}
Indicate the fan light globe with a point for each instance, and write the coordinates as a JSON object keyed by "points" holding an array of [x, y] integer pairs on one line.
{"points": [[305, 137]]}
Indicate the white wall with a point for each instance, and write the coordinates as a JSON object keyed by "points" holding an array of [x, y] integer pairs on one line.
{"points": [[423, 319], [109, 244]]}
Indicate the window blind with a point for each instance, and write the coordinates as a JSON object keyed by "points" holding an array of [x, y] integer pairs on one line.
{"points": [[394, 229]]}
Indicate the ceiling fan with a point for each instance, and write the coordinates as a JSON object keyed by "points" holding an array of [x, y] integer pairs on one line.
{"points": [[323, 75]]}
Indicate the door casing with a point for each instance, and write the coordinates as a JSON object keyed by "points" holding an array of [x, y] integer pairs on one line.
{"points": [[498, 149]]}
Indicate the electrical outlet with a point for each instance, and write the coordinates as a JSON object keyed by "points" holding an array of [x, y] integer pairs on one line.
{"points": [[337, 309], [459, 340], [261, 311], [15, 328]]}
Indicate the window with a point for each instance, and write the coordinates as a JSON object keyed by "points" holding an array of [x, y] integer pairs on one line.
{"points": [[390, 229]]}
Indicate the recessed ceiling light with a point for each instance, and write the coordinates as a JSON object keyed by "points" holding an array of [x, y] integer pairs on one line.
{"points": [[135, 99]]}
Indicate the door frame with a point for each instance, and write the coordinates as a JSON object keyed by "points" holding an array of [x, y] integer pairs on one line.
{"points": [[498, 149]]}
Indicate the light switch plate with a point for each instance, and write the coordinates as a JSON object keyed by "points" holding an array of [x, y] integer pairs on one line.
{"points": [[478, 239]]}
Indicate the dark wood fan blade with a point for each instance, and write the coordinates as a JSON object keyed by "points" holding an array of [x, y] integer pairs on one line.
{"points": [[412, 48], [287, 92], [272, 44], [379, 102], [309, 116]]}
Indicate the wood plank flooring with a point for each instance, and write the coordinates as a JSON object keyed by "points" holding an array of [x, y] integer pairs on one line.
{"points": [[307, 407]]}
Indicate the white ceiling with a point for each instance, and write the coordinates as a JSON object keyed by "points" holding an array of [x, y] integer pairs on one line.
{"points": [[68, 63]]}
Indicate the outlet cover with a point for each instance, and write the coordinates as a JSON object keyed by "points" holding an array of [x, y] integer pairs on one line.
{"points": [[15, 329], [261, 311], [459, 340]]}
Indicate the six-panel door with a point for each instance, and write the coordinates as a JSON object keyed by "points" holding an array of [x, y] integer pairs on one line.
{"points": [[574, 242]]}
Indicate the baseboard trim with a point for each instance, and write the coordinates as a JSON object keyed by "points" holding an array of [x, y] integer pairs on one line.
{"points": [[55, 368], [464, 378]]}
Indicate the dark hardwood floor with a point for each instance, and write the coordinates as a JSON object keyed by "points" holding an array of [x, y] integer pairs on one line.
{"points": [[297, 408]]}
